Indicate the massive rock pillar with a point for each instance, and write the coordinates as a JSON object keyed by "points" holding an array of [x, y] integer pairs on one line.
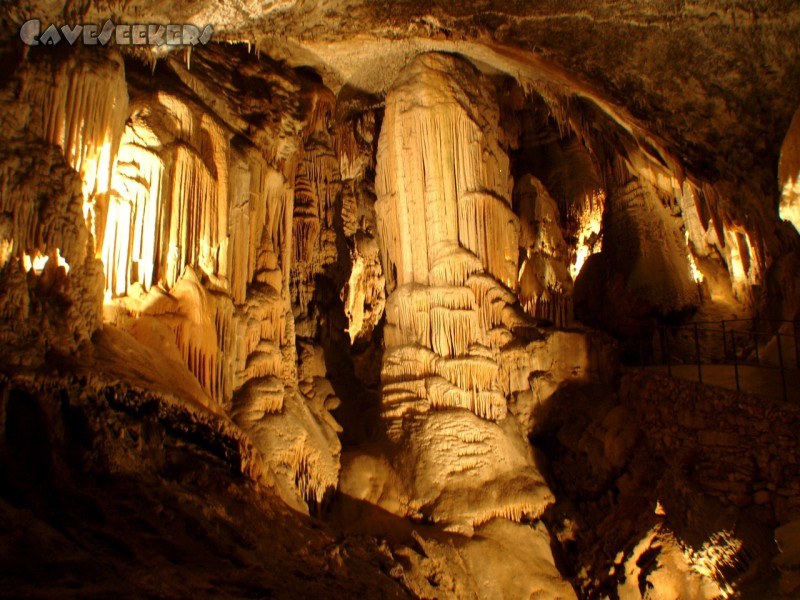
{"points": [[449, 244], [458, 346]]}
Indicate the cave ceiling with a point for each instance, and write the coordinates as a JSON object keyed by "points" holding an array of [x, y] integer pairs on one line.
{"points": [[714, 84]]}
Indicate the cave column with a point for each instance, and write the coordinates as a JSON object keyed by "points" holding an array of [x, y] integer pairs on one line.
{"points": [[449, 243]]}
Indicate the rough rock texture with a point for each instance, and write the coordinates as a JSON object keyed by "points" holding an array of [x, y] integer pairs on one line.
{"points": [[49, 281], [732, 446], [132, 489], [643, 267], [635, 523]]}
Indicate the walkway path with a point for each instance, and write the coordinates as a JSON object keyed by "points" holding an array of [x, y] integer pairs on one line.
{"points": [[761, 381]]}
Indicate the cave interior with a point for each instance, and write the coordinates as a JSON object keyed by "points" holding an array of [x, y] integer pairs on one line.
{"points": [[485, 300]]}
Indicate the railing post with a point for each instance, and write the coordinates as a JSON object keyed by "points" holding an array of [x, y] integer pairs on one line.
{"points": [[724, 342], [641, 346], [780, 362], [735, 358], [797, 343], [669, 354], [697, 350], [755, 339]]}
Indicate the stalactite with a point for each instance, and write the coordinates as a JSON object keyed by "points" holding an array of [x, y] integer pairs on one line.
{"points": [[322, 170], [312, 488], [301, 447], [193, 199], [405, 363], [551, 305], [196, 217], [214, 148], [352, 142], [263, 361], [452, 331], [490, 298], [238, 258], [401, 398], [313, 240], [487, 404], [195, 325], [193, 215], [408, 309], [258, 398], [468, 373], [131, 239], [454, 268], [259, 335], [488, 227], [512, 511], [82, 107], [545, 286]]}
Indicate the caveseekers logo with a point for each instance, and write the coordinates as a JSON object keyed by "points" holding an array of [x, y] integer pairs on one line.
{"points": [[91, 34]]}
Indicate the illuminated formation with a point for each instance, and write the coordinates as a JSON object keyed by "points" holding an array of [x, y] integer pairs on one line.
{"points": [[195, 234], [450, 241], [789, 174]]}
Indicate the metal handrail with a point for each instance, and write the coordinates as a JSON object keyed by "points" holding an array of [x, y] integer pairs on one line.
{"points": [[736, 339]]}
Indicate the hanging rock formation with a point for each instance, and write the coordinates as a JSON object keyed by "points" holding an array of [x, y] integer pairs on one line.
{"points": [[644, 267], [193, 223]]}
